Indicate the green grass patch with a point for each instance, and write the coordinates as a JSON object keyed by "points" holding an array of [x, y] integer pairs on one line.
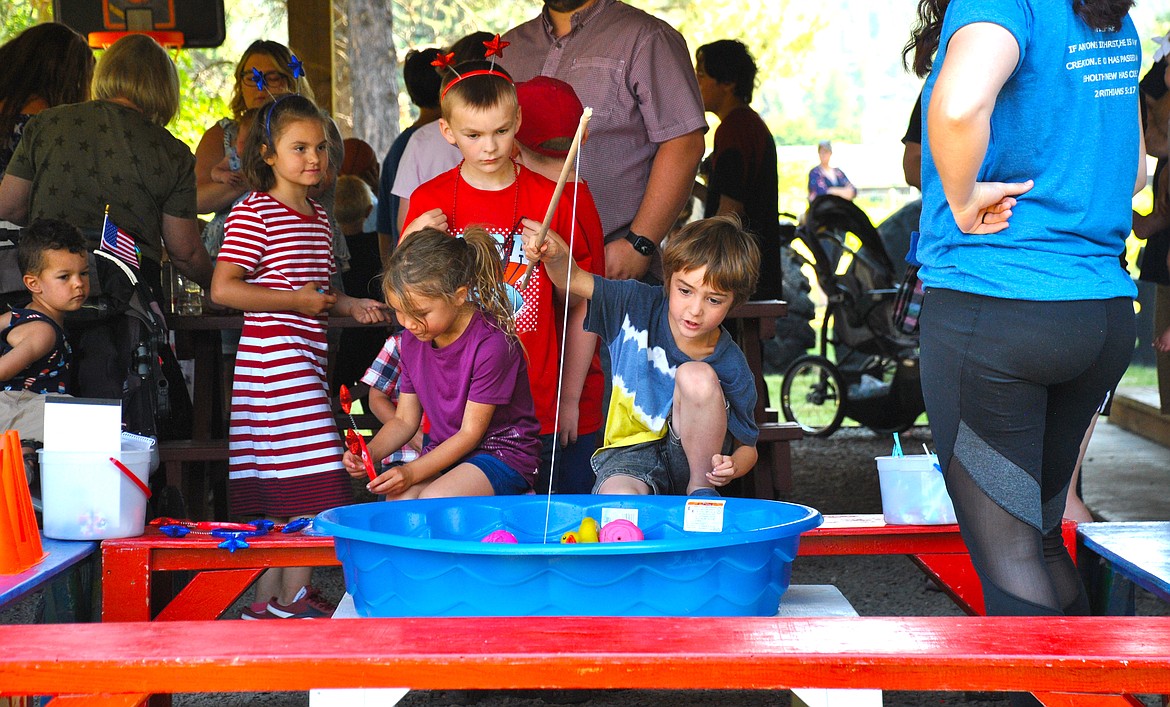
{"points": [[1135, 377]]}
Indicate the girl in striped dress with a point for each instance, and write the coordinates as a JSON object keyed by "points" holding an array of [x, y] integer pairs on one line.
{"points": [[275, 264]]}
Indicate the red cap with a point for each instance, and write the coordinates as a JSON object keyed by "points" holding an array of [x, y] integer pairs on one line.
{"points": [[549, 109]]}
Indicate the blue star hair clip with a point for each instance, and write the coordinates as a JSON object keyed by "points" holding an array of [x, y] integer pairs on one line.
{"points": [[297, 69], [258, 79]]}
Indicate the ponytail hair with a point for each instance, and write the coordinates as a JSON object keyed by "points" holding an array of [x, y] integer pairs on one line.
{"points": [[924, 37], [488, 280], [434, 264]]}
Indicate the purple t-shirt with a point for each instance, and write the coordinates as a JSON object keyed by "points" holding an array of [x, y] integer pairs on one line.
{"points": [[483, 367]]}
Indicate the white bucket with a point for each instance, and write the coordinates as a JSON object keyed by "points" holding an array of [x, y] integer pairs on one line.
{"points": [[913, 491], [86, 497]]}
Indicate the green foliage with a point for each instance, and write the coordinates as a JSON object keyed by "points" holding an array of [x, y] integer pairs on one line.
{"points": [[205, 83], [14, 19]]}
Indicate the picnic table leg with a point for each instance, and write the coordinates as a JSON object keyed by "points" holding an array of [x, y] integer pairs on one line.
{"points": [[208, 595], [126, 592], [956, 575], [126, 584], [1110, 593]]}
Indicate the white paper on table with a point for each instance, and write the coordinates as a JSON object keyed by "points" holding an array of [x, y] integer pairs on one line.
{"points": [[83, 425]]}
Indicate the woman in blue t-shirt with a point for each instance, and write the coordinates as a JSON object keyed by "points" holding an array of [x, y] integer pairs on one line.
{"points": [[1032, 153]]}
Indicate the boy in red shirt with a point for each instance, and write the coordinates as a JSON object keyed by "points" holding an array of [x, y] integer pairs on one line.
{"points": [[481, 114]]}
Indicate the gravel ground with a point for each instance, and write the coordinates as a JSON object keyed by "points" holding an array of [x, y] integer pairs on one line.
{"points": [[834, 476]]}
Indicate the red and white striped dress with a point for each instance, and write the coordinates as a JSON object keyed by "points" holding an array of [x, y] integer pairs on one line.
{"points": [[285, 449]]}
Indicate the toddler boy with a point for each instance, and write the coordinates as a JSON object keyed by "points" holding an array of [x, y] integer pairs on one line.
{"points": [[34, 354]]}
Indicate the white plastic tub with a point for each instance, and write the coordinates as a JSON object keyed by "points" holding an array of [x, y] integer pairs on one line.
{"points": [[913, 491], [86, 497]]}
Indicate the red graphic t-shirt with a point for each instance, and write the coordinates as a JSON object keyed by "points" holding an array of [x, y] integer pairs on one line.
{"points": [[499, 212]]}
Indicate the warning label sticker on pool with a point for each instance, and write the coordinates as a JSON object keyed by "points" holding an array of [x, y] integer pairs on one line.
{"points": [[704, 515], [611, 514]]}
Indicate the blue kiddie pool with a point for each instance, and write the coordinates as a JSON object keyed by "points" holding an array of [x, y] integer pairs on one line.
{"points": [[724, 557]]}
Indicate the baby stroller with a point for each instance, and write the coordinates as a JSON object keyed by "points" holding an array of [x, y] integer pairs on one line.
{"points": [[866, 369]]}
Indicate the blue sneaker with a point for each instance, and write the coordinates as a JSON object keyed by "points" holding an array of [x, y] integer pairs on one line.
{"points": [[705, 492]]}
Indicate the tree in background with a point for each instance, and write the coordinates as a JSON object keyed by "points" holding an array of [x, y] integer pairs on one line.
{"points": [[15, 17], [366, 72]]}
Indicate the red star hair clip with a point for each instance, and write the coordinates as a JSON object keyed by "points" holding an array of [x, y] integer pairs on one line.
{"points": [[445, 61], [495, 48]]}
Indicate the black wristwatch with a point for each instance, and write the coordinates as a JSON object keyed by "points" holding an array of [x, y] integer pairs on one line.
{"points": [[642, 244]]}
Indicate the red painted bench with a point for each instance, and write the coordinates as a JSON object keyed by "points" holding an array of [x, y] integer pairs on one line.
{"points": [[1065, 662], [130, 566]]}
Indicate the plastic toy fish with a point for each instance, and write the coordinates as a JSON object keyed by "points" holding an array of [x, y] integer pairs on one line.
{"points": [[621, 531], [499, 536]]}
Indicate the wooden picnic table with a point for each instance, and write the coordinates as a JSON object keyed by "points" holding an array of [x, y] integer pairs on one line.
{"points": [[1118, 556], [60, 557], [132, 566], [1065, 662]]}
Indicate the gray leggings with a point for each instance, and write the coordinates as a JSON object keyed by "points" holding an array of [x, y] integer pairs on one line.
{"points": [[1010, 387]]}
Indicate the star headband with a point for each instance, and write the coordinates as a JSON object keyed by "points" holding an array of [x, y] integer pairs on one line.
{"points": [[494, 47], [294, 65], [298, 71], [469, 74]]}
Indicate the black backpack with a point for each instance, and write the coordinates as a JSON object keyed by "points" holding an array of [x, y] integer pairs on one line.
{"points": [[121, 350]]}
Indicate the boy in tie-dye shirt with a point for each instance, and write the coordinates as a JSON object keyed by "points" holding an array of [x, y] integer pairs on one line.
{"points": [[680, 416]]}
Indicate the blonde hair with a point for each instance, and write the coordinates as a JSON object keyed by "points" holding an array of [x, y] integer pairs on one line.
{"points": [[433, 264], [720, 244], [351, 200], [138, 69]]}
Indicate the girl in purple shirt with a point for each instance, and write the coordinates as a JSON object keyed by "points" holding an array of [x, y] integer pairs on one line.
{"points": [[462, 363]]}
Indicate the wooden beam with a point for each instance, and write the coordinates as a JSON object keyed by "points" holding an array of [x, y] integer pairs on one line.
{"points": [[310, 35]]}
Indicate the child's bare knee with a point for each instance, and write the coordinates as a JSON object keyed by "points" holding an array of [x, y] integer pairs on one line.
{"points": [[620, 484], [697, 381]]}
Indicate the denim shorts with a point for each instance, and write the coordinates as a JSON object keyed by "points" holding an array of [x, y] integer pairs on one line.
{"points": [[504, 480], [660, 464]]}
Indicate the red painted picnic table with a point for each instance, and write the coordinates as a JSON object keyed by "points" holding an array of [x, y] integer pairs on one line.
{"points": [[130, 566]]}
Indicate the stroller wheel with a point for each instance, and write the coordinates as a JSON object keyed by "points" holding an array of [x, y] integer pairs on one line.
{"points": [[812, 395]]}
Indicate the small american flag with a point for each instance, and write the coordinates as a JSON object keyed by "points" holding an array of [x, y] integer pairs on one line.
{"points": [[118, 243]]}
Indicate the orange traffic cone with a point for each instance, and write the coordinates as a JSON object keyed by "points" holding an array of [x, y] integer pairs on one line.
{"points": [[20, 541]]}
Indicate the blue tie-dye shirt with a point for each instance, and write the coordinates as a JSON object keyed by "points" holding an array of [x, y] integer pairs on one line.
{"points": [[631, 319]]}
